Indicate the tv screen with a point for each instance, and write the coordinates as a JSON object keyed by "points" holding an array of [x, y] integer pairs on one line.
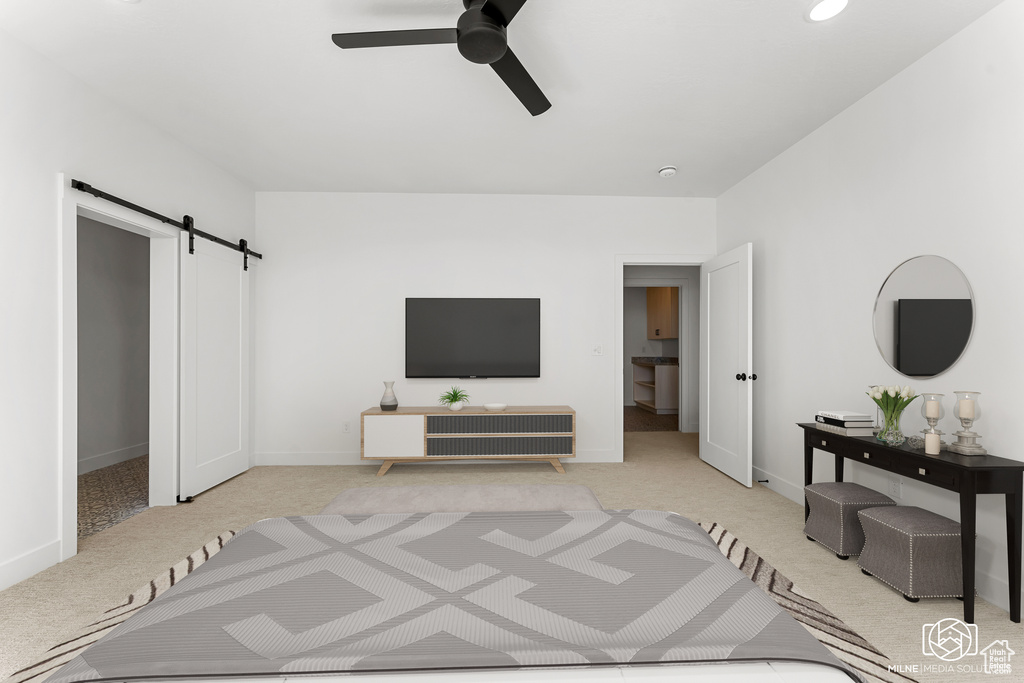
{"points": [[467, 338], [931, 334]]}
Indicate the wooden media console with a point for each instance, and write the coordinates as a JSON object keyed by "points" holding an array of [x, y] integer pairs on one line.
{"points": [[418, 434]]}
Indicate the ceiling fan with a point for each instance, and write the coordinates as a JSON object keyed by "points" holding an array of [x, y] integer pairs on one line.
{"points": [[481, 37]]}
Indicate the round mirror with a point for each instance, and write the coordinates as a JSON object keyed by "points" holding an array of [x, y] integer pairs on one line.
{"points": [[924, 315]]}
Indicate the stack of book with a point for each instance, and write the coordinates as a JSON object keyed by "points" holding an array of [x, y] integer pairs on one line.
{"points": [[845, 422]]}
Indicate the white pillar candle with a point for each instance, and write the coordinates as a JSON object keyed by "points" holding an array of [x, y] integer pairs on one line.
{"points": [[931, 443], [966, 408], [931, 409]]}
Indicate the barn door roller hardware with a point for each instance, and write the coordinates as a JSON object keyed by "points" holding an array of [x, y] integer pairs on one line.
{"points": [[187, 223]]}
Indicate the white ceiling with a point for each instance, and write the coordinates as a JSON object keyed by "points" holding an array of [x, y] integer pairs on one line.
{"points": [[715, 87]]}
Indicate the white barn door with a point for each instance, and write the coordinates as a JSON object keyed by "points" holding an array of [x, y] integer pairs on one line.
{"points": [[726, 377], [214, 443]]}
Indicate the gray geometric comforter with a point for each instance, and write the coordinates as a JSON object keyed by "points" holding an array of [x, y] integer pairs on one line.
{"points": [[398, 592]]}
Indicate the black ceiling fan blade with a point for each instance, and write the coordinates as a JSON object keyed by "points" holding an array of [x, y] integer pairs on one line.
{"points": [[426, 36], [511, 70], [506, 8]]}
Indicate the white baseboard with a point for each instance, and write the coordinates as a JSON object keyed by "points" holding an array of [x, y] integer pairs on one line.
{"points": [[352, 458], [95, 462], [603, 455], [325, 458], [34, 561], [784, 488]]}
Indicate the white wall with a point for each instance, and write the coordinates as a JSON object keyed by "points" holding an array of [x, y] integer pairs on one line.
{"points": [[113, 345], [932, 162], [50, 122], [330, 316]]}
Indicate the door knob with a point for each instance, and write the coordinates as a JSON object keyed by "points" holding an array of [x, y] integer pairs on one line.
{"points": [[742, 377], [753, 376]]}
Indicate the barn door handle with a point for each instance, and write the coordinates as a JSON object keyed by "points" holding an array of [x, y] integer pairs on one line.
{"points": [[742, 377]]}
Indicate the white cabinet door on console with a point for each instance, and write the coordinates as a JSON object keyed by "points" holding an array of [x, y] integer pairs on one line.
{"points": [[393, 436]]}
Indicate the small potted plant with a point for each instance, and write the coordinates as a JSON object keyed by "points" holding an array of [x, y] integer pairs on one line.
{"points": [[454, 398]]}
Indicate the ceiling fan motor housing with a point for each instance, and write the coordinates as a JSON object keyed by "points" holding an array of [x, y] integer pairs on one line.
{"points": [[481, 37]]}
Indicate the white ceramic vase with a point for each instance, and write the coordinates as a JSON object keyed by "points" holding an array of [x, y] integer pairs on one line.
{"points": [[456, 406], [389, 402]]}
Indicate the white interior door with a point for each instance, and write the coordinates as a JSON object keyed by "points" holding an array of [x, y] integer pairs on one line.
{"points": [[214, 442], [726, 350]]}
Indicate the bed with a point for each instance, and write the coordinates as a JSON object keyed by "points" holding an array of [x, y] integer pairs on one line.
{"points": [[458, 595]]}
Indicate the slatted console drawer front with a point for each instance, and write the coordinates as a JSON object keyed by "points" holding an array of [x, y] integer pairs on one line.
{"points": [[498, 446], [499, 424], [499, 435]]}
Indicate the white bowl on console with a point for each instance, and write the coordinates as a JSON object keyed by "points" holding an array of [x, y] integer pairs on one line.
{"points": [[495, 406]]}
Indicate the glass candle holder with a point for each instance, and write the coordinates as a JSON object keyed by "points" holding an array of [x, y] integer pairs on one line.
{"points": [[932, 411], [968, 411]]}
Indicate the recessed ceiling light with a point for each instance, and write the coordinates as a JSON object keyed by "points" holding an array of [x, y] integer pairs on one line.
{"points": [[667, 171], [821, 10]]}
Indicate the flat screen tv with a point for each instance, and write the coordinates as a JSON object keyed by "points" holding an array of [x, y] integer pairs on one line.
{"points": [[469, 338], [931, 334]]}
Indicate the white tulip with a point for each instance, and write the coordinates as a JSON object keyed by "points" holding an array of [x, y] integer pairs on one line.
{"points": [[910, 392], [903, 392], [893, 391]]}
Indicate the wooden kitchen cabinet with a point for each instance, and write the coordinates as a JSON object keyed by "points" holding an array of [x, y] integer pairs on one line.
{"points": [[656, 387], [662, 312]]}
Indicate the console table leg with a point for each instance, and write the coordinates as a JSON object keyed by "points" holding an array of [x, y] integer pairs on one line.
{"points": [[385, 467], [808, 475], [968, 527], [557, 464], [1013, 546]]}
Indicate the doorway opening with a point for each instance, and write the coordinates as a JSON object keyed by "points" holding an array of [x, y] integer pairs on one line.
{"points": [[660, 347], [630, 270], [650, 346], [113, 375], [163, 356]]}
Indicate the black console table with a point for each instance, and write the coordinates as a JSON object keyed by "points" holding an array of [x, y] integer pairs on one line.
{"points": [[968, 475]]}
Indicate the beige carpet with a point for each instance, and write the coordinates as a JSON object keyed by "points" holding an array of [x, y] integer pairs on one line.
{"points": [[660, 472]]}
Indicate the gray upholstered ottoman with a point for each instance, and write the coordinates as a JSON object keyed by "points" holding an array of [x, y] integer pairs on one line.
{"points": [[915, 551], [466, 498], [832, 521]]}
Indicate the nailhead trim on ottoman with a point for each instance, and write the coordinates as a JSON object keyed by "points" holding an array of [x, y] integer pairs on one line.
{"points": [[832, 521], [915, 551]]}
